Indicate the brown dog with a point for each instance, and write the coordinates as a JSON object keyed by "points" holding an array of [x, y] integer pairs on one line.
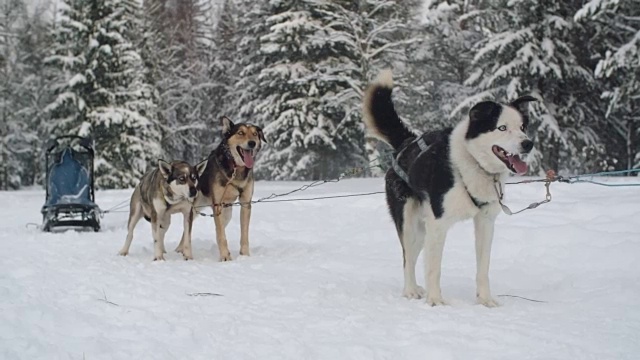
{"points": [[229, 176]]}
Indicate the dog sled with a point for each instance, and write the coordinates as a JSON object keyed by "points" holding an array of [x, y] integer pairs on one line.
{"points": [[69, 184]]}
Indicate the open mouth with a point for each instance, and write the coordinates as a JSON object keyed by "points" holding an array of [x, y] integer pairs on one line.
{"points": [[511, 161], [246, 156]]}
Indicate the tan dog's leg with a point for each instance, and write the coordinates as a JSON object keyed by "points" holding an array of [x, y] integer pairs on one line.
{"points": [[162, 224], [164, 251], [221, 237], [227, 214], [245, 217], [185, 242], [180, 246], [154, 234]]}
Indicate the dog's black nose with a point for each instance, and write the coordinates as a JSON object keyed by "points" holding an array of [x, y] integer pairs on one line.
{"points": [[251, 144], [527, 145], [192, 191]]}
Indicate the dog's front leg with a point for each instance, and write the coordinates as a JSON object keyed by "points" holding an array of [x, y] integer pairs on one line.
{"points": [[484, 223], [162, 225], [245, 217], [221, 237], [185, 242], [434, 247]]}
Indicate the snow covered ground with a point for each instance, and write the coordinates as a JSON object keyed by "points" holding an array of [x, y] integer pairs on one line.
{"points": [[324, 282]]}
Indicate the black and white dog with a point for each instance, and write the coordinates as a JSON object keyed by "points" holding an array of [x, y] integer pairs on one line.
{"points": [[446, 176]]}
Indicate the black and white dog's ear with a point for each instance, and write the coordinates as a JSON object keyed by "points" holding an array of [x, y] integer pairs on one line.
{"points": [[261, 134], [165, 168], [201, 166], [227, 124], [522, 100], [484, 110]]}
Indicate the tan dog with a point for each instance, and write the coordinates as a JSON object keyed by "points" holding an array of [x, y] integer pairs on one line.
{"points": [[169, 189], [229, 177]]}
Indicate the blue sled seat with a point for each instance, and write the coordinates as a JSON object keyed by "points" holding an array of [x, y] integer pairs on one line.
{"points": [[69, 182]]}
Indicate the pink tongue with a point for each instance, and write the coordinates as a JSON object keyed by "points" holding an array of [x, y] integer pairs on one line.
{"points": [[248, 158], [517, 163]]}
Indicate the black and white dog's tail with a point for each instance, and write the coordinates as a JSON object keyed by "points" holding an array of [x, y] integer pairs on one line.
{"points": [[380, 117]]}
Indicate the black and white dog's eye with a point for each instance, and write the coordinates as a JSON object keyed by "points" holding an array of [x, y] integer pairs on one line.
{"points": [[522, 128], [502, 128]]}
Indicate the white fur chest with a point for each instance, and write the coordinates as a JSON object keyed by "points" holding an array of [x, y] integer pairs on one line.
{"points": [[174, 207], [458, 204]]}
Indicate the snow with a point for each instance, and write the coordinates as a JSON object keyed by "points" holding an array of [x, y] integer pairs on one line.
{"points": [[324, 281], [592, 7], [77, 79]]}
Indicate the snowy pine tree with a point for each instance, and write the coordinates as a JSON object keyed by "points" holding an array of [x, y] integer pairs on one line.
{"points": [[102, 92], [32, 94], [223, 72], [299, 133], [10, 12], [247, 25], [178, 51], [23, 42], [440, 65], [68, 111], [139, 82], [618, 35], [534, 49], [316, 57], [369, 35]]}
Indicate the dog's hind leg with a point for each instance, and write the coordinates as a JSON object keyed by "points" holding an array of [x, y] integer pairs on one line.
{"points": [[484, 224], [434, 247], [135, 214], [412, 237]]}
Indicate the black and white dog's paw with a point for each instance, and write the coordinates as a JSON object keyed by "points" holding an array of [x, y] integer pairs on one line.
{"points": [[488, 301], [435, 301], [413, 292]]}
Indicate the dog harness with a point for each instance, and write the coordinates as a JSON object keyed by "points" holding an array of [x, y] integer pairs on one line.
{"points": [[423, 149], [475, 201], [396, 166]]}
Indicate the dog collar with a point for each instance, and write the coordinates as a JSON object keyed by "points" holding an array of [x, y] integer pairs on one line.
{"points": [[229, 160]]}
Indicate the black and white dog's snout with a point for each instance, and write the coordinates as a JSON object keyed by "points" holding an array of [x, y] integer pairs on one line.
{"points": [[526, 145], [192, 191]]}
